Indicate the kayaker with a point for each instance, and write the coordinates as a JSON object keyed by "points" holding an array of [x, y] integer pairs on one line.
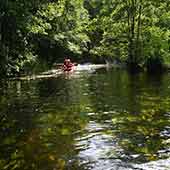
{"points": [[68, 65]]}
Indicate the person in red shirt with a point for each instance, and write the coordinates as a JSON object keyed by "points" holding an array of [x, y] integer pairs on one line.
{"points": [[68, 65]]}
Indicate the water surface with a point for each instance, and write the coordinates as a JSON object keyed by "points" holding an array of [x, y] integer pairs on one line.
{"points": [[103, 120]]}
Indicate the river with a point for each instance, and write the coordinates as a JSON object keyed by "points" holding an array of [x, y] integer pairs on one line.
{"points": [[100, 120]]}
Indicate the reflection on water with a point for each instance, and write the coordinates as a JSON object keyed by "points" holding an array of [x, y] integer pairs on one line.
{"points": [[102, 120]]}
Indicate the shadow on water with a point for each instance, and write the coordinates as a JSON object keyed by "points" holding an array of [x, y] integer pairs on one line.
{"points": [[104, 120]]}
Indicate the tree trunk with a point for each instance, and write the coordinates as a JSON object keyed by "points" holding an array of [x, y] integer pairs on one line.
{"points": [[138, 38]]}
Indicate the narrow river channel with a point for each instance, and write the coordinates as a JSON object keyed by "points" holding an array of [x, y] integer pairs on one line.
{"points": [[102, 120]]}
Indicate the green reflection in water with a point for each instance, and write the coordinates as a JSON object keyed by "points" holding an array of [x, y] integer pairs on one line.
{"points": [[139, 109], [50, 115], [141, 136], [41, 120]]}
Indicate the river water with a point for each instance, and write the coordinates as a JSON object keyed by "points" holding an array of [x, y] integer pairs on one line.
{"points": [[100, 120]]}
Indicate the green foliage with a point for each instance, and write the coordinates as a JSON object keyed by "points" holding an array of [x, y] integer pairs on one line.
{"points": [[133, 31], [64, 22], [156, 44], [26, 25]]}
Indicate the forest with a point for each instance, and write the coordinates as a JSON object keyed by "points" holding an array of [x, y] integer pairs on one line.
{"points": [[99, 118], [35, 34]]}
